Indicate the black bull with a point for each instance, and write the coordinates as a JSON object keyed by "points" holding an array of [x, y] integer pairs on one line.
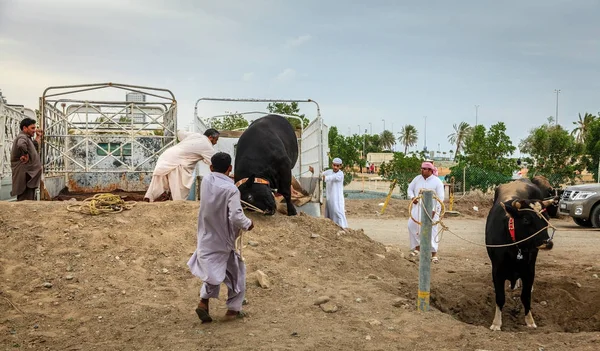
{"points": [[516, 228], [266, 154]]}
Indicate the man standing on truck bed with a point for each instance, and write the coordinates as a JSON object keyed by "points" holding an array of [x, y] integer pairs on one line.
{"points": [[175, 166], [25, 161]]}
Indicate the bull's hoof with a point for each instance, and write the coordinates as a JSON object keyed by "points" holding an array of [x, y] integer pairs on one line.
{"points": [[495, 327], [529, 320]]}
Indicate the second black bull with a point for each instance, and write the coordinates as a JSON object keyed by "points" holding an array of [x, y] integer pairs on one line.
{"points": [[266, 154]]}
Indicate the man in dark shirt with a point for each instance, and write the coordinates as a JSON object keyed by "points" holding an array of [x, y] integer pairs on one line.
{"points": [[25, 161]]}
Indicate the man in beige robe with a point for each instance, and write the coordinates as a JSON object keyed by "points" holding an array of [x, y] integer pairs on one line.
{"points": [[25, 161], [175, 167]]}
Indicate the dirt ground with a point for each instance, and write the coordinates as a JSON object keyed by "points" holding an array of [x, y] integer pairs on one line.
{"points": [[70, 281]]}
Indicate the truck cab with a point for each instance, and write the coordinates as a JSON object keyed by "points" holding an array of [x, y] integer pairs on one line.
{"points": [[582, 203]]}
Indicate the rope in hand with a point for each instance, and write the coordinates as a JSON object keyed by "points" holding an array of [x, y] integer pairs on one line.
{"points": [[102, 203], [239, 241], [444, 227]]}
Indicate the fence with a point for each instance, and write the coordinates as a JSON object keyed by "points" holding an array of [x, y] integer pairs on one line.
{"points": [[463, 181]]}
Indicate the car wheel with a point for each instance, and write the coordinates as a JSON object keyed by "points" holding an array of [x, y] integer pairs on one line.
{"points": [[595, 217], [582, 222]]}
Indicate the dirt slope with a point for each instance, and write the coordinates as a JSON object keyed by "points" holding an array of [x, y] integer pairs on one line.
{"points": [[70, 281]]}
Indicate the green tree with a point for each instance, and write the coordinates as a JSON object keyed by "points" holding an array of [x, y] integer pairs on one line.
{"points": [[373, 143], [461, 132], [489, 150], [582, 126], [554, 152], [291, 109], [387, 140], [408, 137], [232, 121], [486, 154], [591, 150], [346, 148], [401, 168]]}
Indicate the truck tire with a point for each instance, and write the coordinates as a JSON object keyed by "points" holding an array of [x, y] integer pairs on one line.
{"points": [[583, 222], [595, 216]]}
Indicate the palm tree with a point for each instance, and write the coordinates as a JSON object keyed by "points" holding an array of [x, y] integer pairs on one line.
{"points": [[458, 137], [387, 140], [408, 136], [582, 126]]}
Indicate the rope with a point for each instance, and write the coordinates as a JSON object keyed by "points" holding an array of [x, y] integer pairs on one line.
{"points": [[251, 206], [446, 229], [239, 243], [102, 203]]}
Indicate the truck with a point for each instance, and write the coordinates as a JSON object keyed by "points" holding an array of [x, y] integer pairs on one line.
{"points": [[582, 203]]}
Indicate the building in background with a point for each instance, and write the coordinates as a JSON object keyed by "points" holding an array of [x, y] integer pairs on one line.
{"points": [[135, 114]]}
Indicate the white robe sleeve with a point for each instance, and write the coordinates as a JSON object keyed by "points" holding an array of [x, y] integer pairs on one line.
{"points": [[411, 188], [334, 177], [439, 191], [236, 213], [182, 134]]}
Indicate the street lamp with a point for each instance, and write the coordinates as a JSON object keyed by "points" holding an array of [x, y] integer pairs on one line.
{"points": [[557, 91], [476, 114], [383, 124], [425, 139]]}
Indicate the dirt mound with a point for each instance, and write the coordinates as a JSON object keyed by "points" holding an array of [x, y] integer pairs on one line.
{"points": [[71, 281]]}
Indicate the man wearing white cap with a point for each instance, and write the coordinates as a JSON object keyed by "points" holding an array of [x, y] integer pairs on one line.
{"points": [[426, 180], [335, 204]]}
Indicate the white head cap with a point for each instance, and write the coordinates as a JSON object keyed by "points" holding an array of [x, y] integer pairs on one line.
{"points": [[337, 161]]}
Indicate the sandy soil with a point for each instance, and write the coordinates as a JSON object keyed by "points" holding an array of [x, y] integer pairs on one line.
{"points": [[70, 281]]}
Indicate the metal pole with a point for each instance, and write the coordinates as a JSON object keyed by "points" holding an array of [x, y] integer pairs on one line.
{"points": [[383, 124], [425, 255], [425, 139], [557, 91], [370, 128], [476, 114]]}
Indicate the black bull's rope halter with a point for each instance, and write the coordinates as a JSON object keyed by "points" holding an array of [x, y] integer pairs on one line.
{"points": [[511, 227]]}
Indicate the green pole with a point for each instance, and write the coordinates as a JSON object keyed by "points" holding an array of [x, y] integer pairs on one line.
{"points": [[425, 252]]}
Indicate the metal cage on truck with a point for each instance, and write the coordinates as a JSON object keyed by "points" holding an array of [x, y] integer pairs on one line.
{"points": [[98, 145]]}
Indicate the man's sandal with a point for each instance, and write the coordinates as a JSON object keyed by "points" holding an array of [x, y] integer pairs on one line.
{"points": [[202, 312]]}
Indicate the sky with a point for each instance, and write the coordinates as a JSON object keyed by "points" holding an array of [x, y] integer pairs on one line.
{"points": [[367, 63]]}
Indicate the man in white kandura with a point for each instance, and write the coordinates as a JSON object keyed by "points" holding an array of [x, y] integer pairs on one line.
{"points": [[335, 204], [172, 176], [424, 181]]}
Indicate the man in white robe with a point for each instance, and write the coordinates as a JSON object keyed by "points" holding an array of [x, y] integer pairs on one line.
{"points": [[335, 207], [215, 260], [427, 180], [175, 167]]}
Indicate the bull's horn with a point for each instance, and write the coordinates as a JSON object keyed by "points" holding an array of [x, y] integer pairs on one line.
{"points": [[547, 203], [516, 204]]}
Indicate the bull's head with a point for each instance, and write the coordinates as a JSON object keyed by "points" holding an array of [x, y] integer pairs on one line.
{"points": [[530, 217], [258, 195]]}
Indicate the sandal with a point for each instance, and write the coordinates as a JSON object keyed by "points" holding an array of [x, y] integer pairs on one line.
{"points": [[232, 315], [414, 253], [202, 312], [435, 259]]}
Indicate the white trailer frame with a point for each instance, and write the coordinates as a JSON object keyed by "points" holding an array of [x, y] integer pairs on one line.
{"points": [[73, 136]]}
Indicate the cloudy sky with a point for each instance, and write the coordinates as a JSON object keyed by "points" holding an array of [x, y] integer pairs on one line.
{"points": [[363, 61]]}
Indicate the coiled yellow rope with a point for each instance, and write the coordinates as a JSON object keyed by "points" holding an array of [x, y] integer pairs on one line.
{"points": [[102, 203]]}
